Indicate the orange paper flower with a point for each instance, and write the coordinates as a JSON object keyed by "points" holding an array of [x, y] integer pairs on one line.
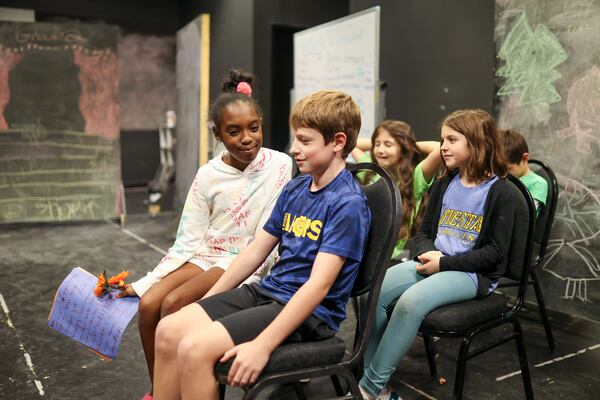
{"points": [[114, 282]]}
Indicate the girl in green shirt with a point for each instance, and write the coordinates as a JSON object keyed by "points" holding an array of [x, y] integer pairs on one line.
{"points": [[393, 147]]}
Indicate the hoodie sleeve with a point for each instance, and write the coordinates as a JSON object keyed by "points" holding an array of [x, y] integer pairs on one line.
{"points": [[193, 226]]}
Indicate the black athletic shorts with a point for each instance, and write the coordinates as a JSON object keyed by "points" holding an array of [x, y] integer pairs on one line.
{"points": [[246, 311]]}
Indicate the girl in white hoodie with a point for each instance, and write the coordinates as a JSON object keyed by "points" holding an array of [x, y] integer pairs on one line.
{"points": [[230, 199]]}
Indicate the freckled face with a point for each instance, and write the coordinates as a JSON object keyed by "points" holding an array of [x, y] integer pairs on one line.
{"points": [[454, 147], [309, 150]]}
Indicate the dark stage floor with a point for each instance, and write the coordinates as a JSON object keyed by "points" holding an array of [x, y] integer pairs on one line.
{"points": [[37, 362]]}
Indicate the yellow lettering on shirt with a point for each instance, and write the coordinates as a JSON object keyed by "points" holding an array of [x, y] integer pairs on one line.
{"points": [[302, 226], [315, 229]]}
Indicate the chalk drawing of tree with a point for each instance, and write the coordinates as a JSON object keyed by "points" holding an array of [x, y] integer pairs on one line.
{"points": [[575, 225], [531, 57]]}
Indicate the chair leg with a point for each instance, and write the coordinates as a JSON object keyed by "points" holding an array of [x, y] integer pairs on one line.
{"points": [[222, 389], [542, 305], [352, 384], [300, 391], [431, 350], [461, 366], [523, 359], [337, 385]]}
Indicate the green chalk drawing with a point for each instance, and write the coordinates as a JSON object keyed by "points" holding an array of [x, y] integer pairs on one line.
{"points": [[530, 61]]}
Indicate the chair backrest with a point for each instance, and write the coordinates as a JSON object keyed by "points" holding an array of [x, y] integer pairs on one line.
{"points": [[384, 202], [521, 244], [545, 219]]}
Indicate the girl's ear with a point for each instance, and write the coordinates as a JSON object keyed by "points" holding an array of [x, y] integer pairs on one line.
{"points": [[213, 127], [339, 141]]}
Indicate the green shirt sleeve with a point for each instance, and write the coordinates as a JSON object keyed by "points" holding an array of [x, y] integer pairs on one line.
{"points": [[420, 184], [537, 186], [364, 158]]}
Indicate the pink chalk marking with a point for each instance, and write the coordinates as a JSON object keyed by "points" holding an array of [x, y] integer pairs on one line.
{"points": [[8, 61], [583, 107], [99, 92]]}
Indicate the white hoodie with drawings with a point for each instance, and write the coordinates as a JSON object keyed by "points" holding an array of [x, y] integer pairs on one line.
{"points": [[223, 211]]}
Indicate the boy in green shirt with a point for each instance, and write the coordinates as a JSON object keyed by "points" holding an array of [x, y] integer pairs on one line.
{"points": [[516, 153]]}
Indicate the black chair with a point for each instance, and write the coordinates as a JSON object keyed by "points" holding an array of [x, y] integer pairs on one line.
{"points": [[291, 362], [543, 228], [470, 318]]}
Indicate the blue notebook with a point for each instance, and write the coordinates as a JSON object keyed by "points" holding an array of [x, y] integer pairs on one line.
{"points": [[95, 322]]}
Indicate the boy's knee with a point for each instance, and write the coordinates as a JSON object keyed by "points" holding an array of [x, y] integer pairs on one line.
{"points": [[195, 352], [167, 337]]}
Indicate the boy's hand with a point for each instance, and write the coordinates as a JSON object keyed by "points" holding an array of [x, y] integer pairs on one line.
{"points": [[431, 262], [250, 359], [127, 291]]}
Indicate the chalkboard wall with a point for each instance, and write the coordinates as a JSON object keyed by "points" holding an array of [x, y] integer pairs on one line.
{"points": [[59, 130], [548, 88]]}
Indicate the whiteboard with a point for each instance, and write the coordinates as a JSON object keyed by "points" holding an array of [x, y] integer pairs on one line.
{"points": [[342, 55]]}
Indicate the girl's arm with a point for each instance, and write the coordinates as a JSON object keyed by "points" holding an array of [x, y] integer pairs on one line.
{"points": [[362, 145], [245, 263], [433, 160], [193, 225]]}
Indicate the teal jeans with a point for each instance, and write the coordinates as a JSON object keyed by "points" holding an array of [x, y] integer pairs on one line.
{"points": [[417, 295]]}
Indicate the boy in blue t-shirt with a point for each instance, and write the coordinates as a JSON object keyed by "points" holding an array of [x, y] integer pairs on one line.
{"points": [[322, 221]]}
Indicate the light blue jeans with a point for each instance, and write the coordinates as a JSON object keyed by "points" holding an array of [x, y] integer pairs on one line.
{"points": [[417, 295]]}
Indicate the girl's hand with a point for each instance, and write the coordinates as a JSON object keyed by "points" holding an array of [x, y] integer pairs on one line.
{"points": [[250, 360], [431, 263], [428, 254], [127, 291]]}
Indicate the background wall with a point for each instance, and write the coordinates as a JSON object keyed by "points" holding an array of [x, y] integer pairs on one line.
{"points": [[275, 22], [244, 34], [231, 35], [156, 17], [436, 57]]}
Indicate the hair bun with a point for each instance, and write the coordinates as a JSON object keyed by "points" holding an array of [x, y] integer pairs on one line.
{"points": [[235, 78]]}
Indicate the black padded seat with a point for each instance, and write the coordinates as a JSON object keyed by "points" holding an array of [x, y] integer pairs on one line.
{"points": [[293, 356], [462, 316]]}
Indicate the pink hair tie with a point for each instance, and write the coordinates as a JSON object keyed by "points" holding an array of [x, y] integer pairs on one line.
{"points": [[244, 87]]}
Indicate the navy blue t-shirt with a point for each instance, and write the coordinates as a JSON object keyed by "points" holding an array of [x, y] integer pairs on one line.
{"points": [[335, 220]]}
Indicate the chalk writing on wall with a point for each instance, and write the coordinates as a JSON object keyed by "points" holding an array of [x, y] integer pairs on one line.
{"points": [[59, 123]]}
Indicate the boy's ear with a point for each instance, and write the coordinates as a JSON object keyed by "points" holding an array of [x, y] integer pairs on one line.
{"points": [[525, 157], [339, 141]]}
